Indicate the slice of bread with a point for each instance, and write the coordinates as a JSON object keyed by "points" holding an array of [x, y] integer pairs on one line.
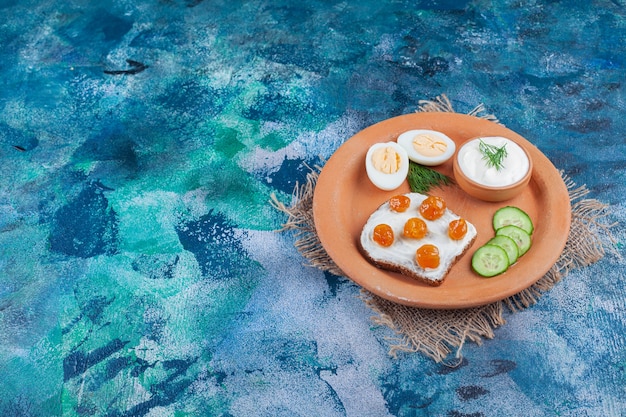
{"points": [[400, 256]]}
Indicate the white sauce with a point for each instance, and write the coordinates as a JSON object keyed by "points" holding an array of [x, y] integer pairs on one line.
{"points": [[514, 166]]}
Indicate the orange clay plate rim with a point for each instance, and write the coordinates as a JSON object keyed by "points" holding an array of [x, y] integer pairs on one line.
{"points": [[344, 198]]}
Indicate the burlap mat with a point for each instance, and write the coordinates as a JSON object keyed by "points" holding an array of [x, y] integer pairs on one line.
{"points": [[436, 333]]}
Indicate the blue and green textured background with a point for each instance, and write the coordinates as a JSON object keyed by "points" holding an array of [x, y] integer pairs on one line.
{"points": [[140, 141]]}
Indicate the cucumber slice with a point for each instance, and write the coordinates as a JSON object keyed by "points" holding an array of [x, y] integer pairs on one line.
{"points": [[515, 216], [490, 260], [509, 246], [519, 235]]}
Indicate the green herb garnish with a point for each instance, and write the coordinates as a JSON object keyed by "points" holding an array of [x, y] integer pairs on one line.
{"points": [[422, 179], [492, 154]]}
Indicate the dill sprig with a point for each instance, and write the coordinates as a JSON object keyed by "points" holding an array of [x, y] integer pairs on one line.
{"points": [[422, 179], [492, 154]]}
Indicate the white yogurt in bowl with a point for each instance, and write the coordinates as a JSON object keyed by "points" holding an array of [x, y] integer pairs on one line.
{"points": [[478, 167], [492, 168]]}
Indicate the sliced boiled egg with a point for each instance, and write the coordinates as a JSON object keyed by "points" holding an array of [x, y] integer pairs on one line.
{"points": [[387, 165], [427, 147]]}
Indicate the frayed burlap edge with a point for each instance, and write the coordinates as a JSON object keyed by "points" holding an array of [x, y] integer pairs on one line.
{"points": [[435, 332], [300, 219]]}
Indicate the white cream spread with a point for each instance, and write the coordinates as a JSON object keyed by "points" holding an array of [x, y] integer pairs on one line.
{"points": [[402, 251], [514, 165]]}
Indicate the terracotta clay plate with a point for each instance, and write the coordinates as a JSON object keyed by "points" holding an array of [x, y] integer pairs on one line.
{"points": [[344, 199]]}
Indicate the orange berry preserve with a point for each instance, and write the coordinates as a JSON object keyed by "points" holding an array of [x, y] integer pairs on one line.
{"points": [[457, 229], [399, 203], [427, 256], [415, 228], [383, 235], [432, 207]]}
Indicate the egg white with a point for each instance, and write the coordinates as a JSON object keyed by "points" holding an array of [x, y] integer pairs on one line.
{"points": [[406, 141], [387, 182]]}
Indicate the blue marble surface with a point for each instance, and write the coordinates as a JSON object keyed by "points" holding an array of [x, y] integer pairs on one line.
{"points": [[140, 270]]}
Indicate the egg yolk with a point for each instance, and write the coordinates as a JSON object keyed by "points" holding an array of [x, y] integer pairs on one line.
{"points": [[399, 203], [432, 207], [386, 160], [428, 146], [415, 228], [457, 229], [427, 256], [383, 235]]}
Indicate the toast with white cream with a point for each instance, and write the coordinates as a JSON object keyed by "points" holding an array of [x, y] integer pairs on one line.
{"points": [[400, 256]]}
